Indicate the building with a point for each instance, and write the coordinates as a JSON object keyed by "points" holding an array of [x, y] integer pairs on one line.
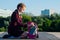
{"points": [[47, 12]]}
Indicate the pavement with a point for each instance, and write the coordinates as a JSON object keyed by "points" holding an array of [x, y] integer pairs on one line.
{"points": [[42, 36]]}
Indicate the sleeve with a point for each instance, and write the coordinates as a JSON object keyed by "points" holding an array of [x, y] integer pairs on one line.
{"points": [[25, 25], [18, 20]]}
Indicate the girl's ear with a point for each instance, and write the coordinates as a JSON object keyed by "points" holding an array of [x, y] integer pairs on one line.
{"points": [[19, 8]]}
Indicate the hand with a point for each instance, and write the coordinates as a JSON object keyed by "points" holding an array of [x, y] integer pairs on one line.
{"points": [[32, 24]]}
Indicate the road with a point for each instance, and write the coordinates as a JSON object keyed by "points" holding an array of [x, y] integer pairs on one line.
{"points": [[42, 36]]}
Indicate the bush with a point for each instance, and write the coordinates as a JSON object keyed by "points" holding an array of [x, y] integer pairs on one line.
{"points": [[2, 29]]}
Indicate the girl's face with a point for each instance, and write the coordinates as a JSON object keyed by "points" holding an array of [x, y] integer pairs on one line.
{"points": [[21, 9]]}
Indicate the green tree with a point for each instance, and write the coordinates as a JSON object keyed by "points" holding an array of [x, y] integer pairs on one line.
{"points": [[26, 18]]}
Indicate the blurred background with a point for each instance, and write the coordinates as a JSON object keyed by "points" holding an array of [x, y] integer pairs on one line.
{"points": [[46, 13]]}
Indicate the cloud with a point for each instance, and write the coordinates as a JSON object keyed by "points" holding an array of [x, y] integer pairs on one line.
{"points": [[5, 12]]}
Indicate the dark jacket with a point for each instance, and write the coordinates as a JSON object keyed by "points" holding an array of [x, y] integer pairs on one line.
{"points": [[15, 25]]}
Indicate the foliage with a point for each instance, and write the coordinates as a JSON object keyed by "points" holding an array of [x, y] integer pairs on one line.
{"points": [[51, 24]]}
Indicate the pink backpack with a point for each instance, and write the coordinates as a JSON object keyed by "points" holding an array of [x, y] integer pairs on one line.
{"points": [[31, 31]]}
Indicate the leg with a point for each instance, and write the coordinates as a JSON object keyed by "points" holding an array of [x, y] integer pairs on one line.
{"points": [[24, 35], [6, 36]]}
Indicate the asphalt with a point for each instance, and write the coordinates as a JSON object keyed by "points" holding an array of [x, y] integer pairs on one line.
{"points": [[42, 36]]}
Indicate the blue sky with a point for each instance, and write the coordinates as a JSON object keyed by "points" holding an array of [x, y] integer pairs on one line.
{"points": [[33, 6]]}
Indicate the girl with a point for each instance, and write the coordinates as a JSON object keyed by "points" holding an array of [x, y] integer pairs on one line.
{"points": [[14, 29]]}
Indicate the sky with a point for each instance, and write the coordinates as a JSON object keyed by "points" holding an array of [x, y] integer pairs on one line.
{"points": [[32, 6]]}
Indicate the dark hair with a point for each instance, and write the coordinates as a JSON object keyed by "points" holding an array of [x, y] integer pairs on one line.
{"points": [[20, 5]]}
